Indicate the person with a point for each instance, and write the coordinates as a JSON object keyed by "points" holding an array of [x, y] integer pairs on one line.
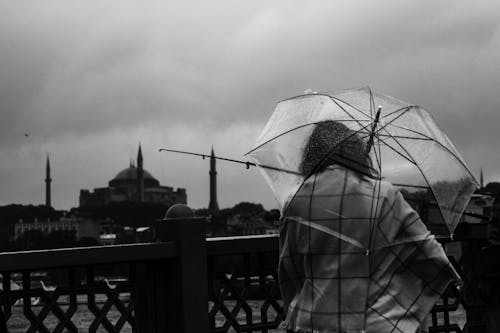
{"points": [[354, 256]]}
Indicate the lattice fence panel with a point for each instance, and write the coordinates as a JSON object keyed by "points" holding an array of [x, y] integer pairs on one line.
{"points": [[82, 302], [242, 298]]}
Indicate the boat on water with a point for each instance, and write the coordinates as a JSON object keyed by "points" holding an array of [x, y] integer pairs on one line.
{"points": [[14, 286], [50, 288], [111, 283]]}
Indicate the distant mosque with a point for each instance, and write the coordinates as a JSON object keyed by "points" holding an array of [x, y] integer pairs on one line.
{"points": [[133, 184]]}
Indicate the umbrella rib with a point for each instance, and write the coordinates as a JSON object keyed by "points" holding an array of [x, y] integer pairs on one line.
{"points": [[332, 97], [350, 115], [337, 99], [425, 178], [439, 143], [394, 119], [395, 150], [400, 109], [425, 136], [279, 135], [405, 137], [296, 128], [423, 175]]}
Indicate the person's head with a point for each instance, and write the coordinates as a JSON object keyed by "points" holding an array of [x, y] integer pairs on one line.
{"points": [[331, 142]]}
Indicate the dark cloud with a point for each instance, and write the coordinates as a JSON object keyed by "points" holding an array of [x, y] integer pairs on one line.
{"points": [[86, 79]]}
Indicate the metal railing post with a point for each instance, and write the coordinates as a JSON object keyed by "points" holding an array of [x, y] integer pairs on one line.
{"points": [[472, 240], [153, 279], [187, 298]]}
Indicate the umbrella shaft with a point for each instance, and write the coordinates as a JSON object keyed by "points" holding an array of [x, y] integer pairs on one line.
{"points": [[372, 133]]}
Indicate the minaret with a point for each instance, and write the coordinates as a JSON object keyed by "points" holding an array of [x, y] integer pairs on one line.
{"points": [[48, 180], [140, 176], [213, 206]]}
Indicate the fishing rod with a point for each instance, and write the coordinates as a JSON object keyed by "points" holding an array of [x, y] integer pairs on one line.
{"points": [[246, 163]]}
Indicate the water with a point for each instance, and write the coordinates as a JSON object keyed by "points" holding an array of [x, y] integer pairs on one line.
{"points": [[83, 318]]}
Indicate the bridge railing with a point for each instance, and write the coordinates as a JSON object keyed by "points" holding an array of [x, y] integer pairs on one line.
{"points": [[461, 308], [80, 294], [159, 287], [242, 279], [245, 295], [171, 286]]}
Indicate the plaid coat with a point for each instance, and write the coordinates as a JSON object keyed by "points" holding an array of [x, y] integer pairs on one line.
{"points": [[355, 257]]}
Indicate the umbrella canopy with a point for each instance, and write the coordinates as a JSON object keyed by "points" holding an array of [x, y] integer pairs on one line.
{"points": [[404, 144]]}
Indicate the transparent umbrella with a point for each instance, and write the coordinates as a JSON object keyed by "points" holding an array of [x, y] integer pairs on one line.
{"points": [[406, 147]]}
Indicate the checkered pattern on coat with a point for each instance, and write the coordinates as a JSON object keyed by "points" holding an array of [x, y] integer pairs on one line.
{"points": [[355, 257]]}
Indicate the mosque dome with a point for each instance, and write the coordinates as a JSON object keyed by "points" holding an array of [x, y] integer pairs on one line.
{"points": [[128, 177]]}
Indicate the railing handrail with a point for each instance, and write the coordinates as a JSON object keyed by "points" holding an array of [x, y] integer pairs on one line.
{"points": [[241, 244], [80, 256], [230, 238]]}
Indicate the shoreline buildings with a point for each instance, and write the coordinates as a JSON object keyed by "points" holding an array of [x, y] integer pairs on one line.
{"points": [[131, 185], [82, 227]]}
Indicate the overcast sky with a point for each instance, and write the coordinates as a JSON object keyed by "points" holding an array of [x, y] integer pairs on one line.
{"points": [[86, 81]]}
